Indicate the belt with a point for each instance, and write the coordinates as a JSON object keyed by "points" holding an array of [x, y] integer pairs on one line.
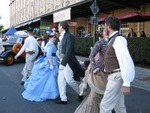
{"points": [[30, 52], [53, 54], [115, 71]]}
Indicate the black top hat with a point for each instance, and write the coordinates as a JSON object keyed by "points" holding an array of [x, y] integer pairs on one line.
{"points": [[30, 29]]}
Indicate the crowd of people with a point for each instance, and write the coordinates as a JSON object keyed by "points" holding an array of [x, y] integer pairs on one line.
{"points": [[108, 74]]}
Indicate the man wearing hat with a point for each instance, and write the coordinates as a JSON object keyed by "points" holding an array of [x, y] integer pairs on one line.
{"points": [[31, 48]]}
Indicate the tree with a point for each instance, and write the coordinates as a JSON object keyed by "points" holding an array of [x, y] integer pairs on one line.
{"points": [[1, 27]]}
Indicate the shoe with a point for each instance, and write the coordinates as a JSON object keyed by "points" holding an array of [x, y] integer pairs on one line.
{"points": [[113, 111], [61, 102], [80, 98], [22, 83]]}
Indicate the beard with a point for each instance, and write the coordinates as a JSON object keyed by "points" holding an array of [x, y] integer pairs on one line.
{"points": [[107, 31]]}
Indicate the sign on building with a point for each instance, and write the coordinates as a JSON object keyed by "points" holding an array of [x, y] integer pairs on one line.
{"points": [[62, 15]]}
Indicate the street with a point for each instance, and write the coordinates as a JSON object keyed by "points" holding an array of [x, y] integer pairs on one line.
{"points": [[11, 100]]}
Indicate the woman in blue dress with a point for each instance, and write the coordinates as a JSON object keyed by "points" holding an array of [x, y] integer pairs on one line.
{"points": [[42, 84]]}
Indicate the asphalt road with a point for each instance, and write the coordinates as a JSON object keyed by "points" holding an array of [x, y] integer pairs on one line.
{"points": [[11, 100]]}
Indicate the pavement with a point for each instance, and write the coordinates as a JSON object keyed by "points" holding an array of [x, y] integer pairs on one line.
{"points": [[11, 100], [142, 76]]}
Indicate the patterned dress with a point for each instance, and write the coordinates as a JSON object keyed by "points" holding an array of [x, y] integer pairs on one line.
{"points": [[96, 81]]}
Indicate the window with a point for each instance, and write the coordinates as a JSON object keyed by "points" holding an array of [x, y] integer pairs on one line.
{"points": [[124, 28]]}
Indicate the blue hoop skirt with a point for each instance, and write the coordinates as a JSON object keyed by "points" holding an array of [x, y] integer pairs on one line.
{"points": [[42, 84]]}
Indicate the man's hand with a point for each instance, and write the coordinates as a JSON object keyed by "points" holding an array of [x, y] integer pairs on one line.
{"points": [[51, 67], [61, 67], [126, 90], [16, 57]]}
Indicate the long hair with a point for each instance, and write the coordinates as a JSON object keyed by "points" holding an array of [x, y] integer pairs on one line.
{"points": [[64, 25]]}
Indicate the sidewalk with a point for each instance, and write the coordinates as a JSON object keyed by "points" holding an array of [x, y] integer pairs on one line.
{"points": [[142, 76]]}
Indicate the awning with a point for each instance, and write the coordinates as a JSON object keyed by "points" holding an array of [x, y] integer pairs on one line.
{"points": [[135, 17], [35, 20], [28, 22], [101, 20], [132, 17], [11, 31]]}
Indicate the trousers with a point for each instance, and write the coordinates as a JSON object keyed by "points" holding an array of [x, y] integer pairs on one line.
{"points": [[113, 96], [66, 77], [26, 72]]}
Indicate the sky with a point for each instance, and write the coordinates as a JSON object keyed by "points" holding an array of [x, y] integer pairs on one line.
{"points": [[4, 12]]}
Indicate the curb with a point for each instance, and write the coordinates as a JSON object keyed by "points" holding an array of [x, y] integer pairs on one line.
{"points": [[141, 74]]}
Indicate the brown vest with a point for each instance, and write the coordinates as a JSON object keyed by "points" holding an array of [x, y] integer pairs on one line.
{"points": [[110, 59]]}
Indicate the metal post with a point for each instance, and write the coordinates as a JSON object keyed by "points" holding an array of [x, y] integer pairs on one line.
{"points": [[94, 38]]}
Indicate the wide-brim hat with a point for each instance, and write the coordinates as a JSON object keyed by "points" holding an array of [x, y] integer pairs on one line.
{"points": [[30, 29]]}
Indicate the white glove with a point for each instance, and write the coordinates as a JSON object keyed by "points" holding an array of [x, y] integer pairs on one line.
{"points": [[96, 70], [16, 57], [51, 67], [61, 67]]}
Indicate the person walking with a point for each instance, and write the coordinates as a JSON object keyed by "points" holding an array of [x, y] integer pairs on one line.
{"points": [[69, 68], [119, 67], [31, 48], [42, 84], [94, 78]]}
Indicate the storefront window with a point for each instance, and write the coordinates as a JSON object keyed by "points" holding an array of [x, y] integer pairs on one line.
{"points": [[124, 28], [80, 30]]}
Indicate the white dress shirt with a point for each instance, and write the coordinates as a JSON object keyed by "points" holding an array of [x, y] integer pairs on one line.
{"points": [[61, 36], [29, 45], [43, 45], [125, 61]]}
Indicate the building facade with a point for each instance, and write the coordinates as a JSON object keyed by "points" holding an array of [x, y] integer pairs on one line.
{"points": [[27, 12]]}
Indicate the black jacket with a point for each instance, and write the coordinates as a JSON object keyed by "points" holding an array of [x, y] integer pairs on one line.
{"points": [[69, 57]]}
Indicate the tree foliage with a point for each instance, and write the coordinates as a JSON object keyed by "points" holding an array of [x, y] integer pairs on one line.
{"points": [[1, 27]]}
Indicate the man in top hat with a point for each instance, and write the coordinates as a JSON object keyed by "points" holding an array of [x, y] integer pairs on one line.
{"points": [[31, 48]]}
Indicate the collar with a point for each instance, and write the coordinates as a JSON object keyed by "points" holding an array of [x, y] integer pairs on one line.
{"points": [[113, 34], [62, 34]]}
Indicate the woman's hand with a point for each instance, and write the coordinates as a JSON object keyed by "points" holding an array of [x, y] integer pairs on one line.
{"points": [[51, 67]]}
